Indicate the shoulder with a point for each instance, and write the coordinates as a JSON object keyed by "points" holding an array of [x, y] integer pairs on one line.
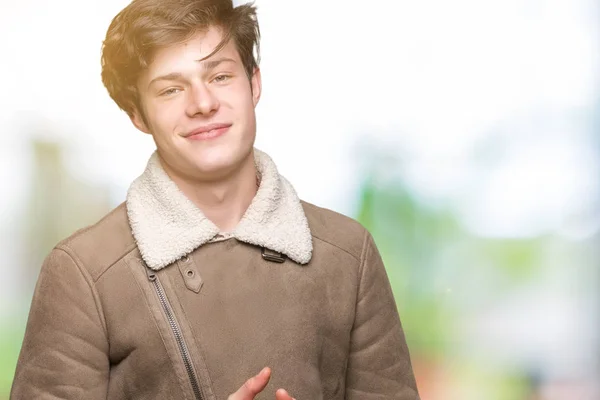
{"points": [[336, 229], [99, 246]]}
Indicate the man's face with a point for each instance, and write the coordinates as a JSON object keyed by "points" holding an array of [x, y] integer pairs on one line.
{"points": [[200, 114]]}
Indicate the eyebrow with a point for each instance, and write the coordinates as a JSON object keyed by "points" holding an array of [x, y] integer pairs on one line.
{"points": [[211, 64], [174, 76]]}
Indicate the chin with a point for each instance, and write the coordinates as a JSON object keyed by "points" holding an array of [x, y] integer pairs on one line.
{"points": [[215, 162]]}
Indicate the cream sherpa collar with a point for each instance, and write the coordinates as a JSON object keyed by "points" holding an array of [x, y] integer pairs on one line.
{"points": [[166, 225]]}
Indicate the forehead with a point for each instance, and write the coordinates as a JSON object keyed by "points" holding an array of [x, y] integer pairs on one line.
{"points": [[182, 56]]}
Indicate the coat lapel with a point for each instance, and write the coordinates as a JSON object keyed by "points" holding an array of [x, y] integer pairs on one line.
{"points": [[167, 225]]}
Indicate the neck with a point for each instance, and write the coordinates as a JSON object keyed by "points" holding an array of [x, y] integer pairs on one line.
{"points": [[223, 201]]}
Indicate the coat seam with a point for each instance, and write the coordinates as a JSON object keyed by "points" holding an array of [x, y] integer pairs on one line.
{"points": [[341, 248], [125, 254], [361, 266], [90, 282], [358, 287]]}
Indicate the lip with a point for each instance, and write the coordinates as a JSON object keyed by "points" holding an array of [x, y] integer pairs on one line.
{"points": [[207, 132]]}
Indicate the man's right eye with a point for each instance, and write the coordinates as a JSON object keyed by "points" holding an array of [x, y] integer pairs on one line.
{"points": [[169, 92]]}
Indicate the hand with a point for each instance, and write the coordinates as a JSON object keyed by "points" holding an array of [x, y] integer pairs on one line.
{"points": [[255, 385]]}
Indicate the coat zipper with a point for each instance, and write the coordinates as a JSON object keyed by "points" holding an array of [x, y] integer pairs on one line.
{"points": [[185, 354]]}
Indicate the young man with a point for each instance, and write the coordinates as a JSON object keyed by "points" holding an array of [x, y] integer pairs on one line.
{"points": [[212, 269]]}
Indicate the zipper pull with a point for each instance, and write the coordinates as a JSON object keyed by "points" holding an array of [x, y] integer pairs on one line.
{"points": [[151, 274]]}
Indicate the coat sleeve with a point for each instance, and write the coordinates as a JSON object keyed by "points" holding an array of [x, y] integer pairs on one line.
{"points": [[379, 364], [64, 354]]}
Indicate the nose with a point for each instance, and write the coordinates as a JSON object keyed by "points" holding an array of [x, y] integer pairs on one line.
{"points": [[201, 101]]}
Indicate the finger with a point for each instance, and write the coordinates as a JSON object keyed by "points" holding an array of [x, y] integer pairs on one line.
{"points": [[282, 394], [252, 386]]}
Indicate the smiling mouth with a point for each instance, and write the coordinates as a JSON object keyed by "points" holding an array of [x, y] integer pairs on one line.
{"points": [[209, 132]]}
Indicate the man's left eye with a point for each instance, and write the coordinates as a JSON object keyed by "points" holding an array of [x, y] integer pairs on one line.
{"points": [[221, 78], [170, 91]]}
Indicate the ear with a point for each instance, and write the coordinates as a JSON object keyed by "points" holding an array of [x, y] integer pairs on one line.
{"points": [[139, 121], [256, 85]]}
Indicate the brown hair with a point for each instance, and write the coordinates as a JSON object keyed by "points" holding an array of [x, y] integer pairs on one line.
{"points": [[145, 26]]}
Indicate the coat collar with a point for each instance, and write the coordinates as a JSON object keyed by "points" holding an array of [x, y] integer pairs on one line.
{"points": [[167, 225]]}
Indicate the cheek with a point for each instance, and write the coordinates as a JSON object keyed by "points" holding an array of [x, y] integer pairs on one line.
{"points": [[165, 116], [245, 106], [240, 95]]}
